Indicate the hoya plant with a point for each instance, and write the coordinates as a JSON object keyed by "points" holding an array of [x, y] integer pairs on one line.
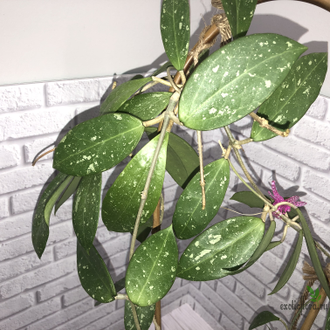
{"points": [[264, 76]]}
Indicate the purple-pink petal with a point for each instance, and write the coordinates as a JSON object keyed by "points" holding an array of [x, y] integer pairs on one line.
{"points": [[278, 199]]}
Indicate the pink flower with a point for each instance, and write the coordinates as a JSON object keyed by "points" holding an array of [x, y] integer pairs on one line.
{"points": [[278, 199]]}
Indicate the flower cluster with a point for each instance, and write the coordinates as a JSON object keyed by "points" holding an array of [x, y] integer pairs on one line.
{"points": [[283, 209]]}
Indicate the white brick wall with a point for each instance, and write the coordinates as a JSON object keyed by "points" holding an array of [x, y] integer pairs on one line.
{"points": [[47, 294]]}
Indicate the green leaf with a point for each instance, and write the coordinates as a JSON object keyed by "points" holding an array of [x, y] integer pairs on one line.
{"points": [[261, 249], [151, 271], [313, 254], [98, 144], [86, 209], [94, 275], [226, 244], [182, 160], [189, 218], [68, 192], [151, 132], [327, 325], [248, 198], [40, 225], [144, 314], [289, 103], [239, 14], [236, 79], [144, 230], [273, 244], [263, 318], [310, 290], [146, 106], [119, 285], [175, 30], [122, 93], [52, 200], [291, 265], [162, 68], [122, 201]]}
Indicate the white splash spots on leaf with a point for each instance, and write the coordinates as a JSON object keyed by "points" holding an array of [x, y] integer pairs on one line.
{"points": [[268, 83], [216, 68]]}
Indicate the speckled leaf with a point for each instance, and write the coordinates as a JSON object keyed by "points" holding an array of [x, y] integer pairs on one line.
{"points": [[239, 14], [291, 265], [98, 144], [121, 203], [263, 318], [40, 225], [182, 160], [52, 200], [68, 192], [261, 249], [122, 93], [175, 30], [86, 209], [94, 275], [146, 106], [289, 103], [144, 230], [313, 254], [151, 271], [248, 198], [189, 218], [236, 79], [226, 244], [144, 314]]}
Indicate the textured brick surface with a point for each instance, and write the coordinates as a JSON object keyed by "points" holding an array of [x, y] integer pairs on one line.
{"points": [[47, 294], [10, 156], [22, 97]]}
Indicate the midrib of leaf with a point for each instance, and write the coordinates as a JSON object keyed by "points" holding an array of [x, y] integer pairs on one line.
{"points": [[96, 145], [152, 268], [232, 81], [84, 213], [210, 256], [175, 38], [200, 199]]}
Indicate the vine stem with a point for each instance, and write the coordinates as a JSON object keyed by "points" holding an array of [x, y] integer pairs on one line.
{"points": [[171, 106], [273, 208], [135, 317], [286, 326], [321, 249], [240, 161], [264, 123], [44, 154]]}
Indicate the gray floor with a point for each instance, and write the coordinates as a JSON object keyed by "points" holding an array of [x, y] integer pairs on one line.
{"points": [[183, 318]]}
